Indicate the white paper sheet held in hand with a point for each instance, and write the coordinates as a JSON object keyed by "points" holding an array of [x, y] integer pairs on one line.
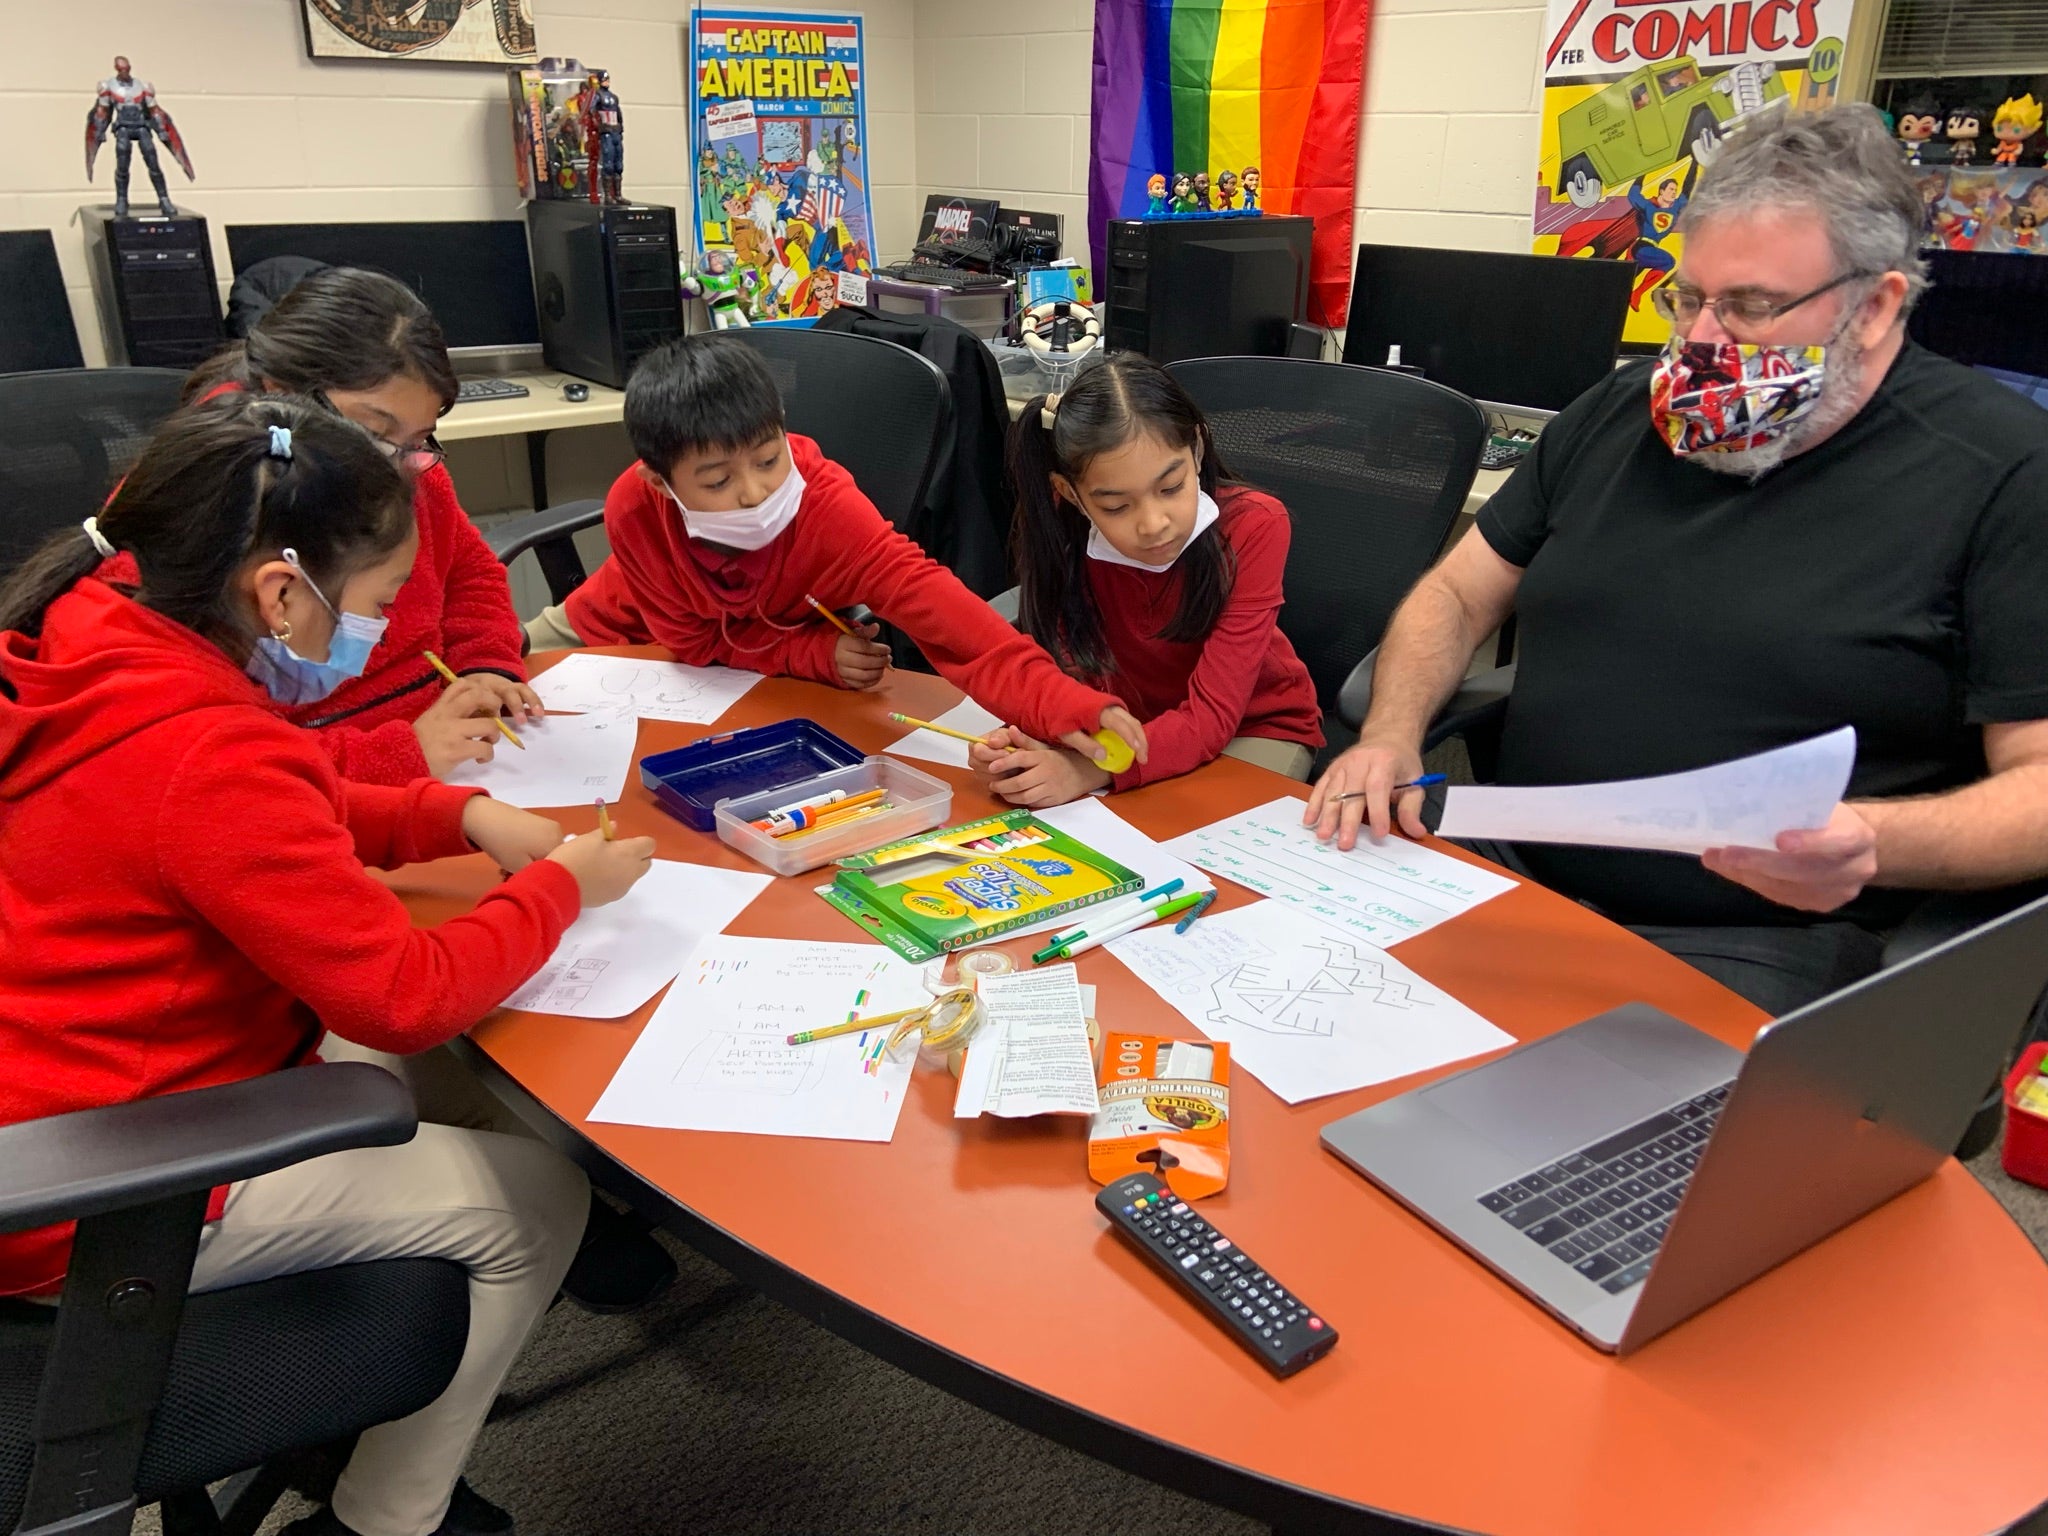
{"points": [[1307, 1008], [1031, 1055], [715, 1054], [569, 760], [615, 957], [644, 690], [1382, 892], [1745, 803], [931, 747]]}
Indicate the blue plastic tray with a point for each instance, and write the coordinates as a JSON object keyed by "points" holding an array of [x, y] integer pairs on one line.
{"points": [[690, 781]]}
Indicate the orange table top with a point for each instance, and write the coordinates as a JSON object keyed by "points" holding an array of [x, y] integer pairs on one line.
{"points": [[1883, 1381]]}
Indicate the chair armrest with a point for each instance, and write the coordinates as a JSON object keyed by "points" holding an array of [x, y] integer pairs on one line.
{"points": [[516, 535], [93, 1161], [1478, 698]]}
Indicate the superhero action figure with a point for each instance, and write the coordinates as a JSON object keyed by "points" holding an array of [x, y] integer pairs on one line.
{"points": [[1202, 191], [129, 107], [724, 286], [2018, 119], [1183, 199], [1251, 187], [604, 138], [1155, 191], [1965, 122], [1226, 191], [1920, 119]]}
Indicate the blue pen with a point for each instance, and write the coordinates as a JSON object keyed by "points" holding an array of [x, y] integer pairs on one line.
{"points": [[1422, 783], [1194, 912]]}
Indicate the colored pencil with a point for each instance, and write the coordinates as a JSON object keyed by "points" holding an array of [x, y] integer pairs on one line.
{"points": [[832, 618], [441, 667], [926, 725]]}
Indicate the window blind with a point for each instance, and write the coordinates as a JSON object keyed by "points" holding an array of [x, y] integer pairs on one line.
{"points": [[1963, 37]]}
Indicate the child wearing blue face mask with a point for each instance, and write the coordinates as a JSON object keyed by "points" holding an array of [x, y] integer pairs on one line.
{"points": [[185, 898]]}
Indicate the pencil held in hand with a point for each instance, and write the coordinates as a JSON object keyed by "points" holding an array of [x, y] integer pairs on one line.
{"points": [[832, 618], [943, 730], [449, 677], [604, 819]]}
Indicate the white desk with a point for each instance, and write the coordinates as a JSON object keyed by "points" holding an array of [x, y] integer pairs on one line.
{"points": [[542, 410]]}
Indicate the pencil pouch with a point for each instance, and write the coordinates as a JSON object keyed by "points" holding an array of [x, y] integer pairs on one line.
{"points": [[1163, 1108]]}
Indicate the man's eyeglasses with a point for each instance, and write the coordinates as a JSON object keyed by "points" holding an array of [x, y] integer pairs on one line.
{"points": [[1737, 311]]}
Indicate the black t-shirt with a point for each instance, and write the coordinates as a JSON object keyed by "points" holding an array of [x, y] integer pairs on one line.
{"points": [[1895, 579]]}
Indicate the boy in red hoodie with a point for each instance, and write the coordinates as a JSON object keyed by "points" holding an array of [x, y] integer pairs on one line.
{"points": [[183, 890], [727, 528], [364, 345]]}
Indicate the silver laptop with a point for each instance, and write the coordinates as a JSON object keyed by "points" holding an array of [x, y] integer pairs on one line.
{"points": [[1629, 1171]]}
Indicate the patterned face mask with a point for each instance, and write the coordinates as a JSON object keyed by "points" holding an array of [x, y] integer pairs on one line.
{"points": [[1727, 396]]}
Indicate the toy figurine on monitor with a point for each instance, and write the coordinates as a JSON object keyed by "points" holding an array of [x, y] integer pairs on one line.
{"points": [[724, 286], [604, 138], [129, 107], [1251, 189]]}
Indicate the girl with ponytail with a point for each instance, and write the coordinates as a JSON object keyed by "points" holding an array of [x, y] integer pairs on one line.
{"points": [[1147, 571], [185, 899]]}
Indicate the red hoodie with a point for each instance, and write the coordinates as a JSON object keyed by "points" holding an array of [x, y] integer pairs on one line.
{"points": [[1242, 679], [748, 609], [183, 900]]}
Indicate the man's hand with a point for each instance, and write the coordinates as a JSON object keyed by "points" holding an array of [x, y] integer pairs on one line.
{"points": [[513, 837], [1815, 870], [1370, 771], [1045, 776], [860, 661]]}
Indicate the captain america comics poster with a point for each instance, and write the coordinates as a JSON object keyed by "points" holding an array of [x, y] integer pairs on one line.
{"points": [[779, 153]]}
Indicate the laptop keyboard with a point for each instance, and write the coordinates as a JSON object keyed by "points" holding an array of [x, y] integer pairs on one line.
{"points": [[1604, 1209]]}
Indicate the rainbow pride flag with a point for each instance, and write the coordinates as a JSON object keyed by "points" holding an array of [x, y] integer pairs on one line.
{"points": [[1216, 85]]}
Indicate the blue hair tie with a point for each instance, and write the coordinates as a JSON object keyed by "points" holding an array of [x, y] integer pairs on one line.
{"points": [[281, 443]]}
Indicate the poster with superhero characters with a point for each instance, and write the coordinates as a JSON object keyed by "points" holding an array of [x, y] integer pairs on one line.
{"points": [[1637, 95], [1985, 209], [779, 134]]}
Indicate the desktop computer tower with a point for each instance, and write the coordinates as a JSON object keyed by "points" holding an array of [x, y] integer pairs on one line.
{"points": [[607, 284], [152, 279], [1207, 287]]}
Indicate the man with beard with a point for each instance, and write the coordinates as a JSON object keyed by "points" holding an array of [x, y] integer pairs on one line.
{"points": [[1795, 519]]}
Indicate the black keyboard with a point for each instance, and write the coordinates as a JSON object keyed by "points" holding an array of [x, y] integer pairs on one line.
{"points": [[956, 253], [932, 275], [490, 389], [1604, 1209]]}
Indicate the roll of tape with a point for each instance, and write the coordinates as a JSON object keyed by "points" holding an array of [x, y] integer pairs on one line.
{"points": [[977, 963]]}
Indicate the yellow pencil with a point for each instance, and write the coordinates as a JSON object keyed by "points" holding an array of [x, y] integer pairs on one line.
{"points": [[850, 1027], [832, 618], [926, 725], [441, 667], [604, 819]]}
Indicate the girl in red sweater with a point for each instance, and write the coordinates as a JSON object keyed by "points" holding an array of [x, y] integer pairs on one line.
{"points": [[1145, 569], [365, 346], [727, 528], [183, 890]]}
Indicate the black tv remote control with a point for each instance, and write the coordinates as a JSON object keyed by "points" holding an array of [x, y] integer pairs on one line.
{"points": [[1262, 1314]]}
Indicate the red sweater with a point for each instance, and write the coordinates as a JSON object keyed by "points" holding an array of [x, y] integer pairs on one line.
{"points": [[1243, 680], [183, 899], [747, 609]]}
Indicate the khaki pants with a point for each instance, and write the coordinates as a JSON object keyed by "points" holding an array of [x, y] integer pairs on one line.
{"points": [[549, 630], [1288, 757], [507, 1207]]}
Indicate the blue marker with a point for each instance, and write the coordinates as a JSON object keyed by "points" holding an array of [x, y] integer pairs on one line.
{"points": [[1196, 911]]}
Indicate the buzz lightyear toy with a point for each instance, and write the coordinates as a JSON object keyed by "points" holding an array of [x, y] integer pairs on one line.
{"points": [[724, 286]]}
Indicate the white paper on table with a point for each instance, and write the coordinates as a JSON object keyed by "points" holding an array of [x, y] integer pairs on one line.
{"points": [[1382, 891], [1092, 822], [1307, 1008], [615, 957], [1031, 1055], [1744, 803], [931, 747], [643, 690], [715, 1057], [568, 760]]}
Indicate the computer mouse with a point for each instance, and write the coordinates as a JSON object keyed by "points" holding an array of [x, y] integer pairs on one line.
{"points": [[576, 392]]}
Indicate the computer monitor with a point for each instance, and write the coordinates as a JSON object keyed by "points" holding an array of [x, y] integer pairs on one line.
{"points": [[36, 331], [949, 217], [1986, 309], [474, 274], [1520, 332]]}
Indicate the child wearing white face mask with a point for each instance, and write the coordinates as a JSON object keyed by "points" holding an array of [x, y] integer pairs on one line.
{"points": [[729, 526], [1145, 569]]}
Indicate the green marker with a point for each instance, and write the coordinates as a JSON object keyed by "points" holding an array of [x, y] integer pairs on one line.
{"points": [[1079, 943]]}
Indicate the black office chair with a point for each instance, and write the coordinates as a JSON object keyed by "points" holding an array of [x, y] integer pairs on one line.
{"points": [[1375, 468], [130, 1392], [66, 437]]}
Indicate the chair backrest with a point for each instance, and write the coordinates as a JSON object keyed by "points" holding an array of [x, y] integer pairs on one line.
{"points": [[1374, 467], [66, 437], [881, 410]]}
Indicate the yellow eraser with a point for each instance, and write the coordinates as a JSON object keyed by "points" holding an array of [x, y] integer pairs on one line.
{"points": [[1120, 754]]}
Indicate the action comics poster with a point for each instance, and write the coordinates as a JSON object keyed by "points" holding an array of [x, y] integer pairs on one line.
{"points": [[779, 131], [1636, 96]]}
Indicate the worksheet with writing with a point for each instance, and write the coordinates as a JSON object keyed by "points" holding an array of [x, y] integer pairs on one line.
{"points": [[565, 760], [642, 690], [1031, 1055]]}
